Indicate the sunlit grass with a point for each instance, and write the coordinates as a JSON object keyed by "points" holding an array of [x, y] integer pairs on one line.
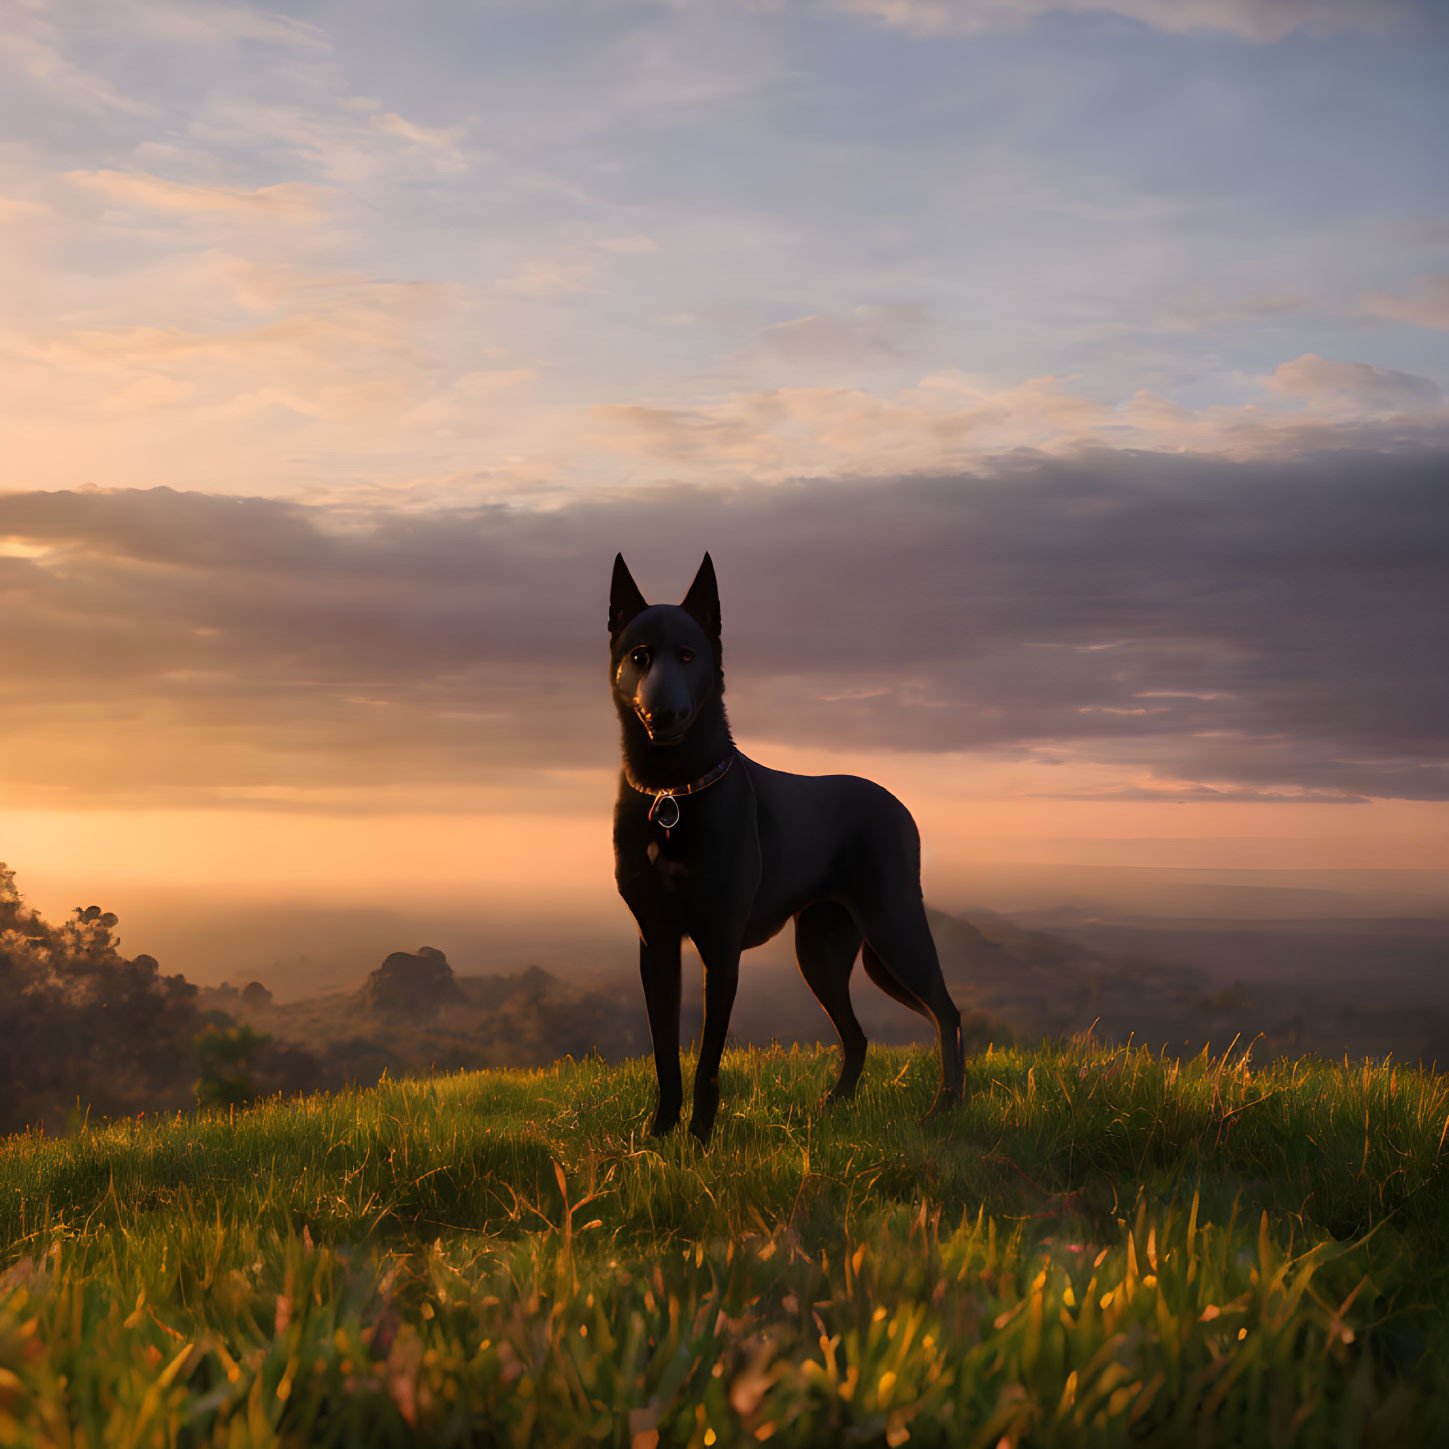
{"points": [[1099, 1247]]}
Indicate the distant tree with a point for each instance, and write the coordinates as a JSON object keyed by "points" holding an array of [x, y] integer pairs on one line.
{"points": [[14, 915], [412, 984], [227, 1057], [254, 995], [239, 1065], [83, 1021]]}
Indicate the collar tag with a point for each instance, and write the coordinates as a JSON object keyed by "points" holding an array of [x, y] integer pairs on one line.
{"points": [[664, 812]]}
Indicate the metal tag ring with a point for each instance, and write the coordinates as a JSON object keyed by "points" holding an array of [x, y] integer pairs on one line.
{"points": [[661, 818]]}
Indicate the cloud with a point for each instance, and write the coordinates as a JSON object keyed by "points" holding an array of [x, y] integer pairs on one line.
{"points": [[1261, 630], [139, 188], [951, 420], [1426, 306], [868, 334], [207, 22], [443, 142], [320, 345], [1208, 794], [546, 277], [470, 394], [30, 44], [1259, 20], [360, 147], [781, 432], [443, 137], [35, 44], [16, 209], [1353, 387], [1199, 309]]}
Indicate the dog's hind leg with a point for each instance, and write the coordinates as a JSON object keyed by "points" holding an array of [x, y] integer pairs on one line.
{"points": [[899, 946], [659, 971], [827, 942]]}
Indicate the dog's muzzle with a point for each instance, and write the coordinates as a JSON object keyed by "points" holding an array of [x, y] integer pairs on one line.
{"points": [[660, 734]]}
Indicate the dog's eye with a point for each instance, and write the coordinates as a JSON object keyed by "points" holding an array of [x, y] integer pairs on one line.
{"points": [[640, 658], [686, 655]]}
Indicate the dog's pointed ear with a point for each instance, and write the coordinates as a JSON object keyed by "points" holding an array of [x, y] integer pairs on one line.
{"points": [[625, 600], [702, 600]]}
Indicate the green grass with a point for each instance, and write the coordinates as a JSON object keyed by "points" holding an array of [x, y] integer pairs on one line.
{"points": [[1098, 1248]]}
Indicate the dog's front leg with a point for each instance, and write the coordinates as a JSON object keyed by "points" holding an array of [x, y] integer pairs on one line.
{"points": [[659, 971], [721, 978]]}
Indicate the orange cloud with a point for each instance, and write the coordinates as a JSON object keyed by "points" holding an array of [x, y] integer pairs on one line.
{"points": [[18, 208], [949, 421], [1353, 387], [290, 199]]}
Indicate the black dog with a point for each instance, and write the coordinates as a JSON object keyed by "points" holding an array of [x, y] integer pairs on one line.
{"points": [[710, 845]]}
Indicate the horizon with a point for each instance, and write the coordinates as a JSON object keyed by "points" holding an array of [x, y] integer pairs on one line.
{"points": [[302, 944]]}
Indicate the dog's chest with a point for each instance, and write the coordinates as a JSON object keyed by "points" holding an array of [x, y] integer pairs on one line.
{"points": [[668, 868], [679, 867], [706, 861]]}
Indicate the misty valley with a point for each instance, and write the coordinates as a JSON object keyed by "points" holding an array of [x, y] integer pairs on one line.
{"points": [[95, 1033]]}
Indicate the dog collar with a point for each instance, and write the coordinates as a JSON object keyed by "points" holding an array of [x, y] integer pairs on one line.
{"points": [[664, 795]]}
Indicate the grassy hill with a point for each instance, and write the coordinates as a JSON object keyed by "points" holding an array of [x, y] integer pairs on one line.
{"points": [[1100, 1247]]}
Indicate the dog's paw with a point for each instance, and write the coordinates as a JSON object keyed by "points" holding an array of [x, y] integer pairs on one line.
{"points": [[701, 1129], [663, 1124]]}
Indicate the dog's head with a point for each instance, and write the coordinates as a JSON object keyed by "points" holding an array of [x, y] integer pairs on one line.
{"points": [[664, 658]]}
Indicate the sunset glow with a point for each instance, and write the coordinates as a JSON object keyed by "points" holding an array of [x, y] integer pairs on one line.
{"points": [[1059, 388]]}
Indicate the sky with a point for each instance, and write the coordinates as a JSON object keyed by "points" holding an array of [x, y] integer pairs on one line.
{"points": [[1059, 388]]}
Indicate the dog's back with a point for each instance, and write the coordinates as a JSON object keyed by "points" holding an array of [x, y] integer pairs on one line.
{"points": [[827, 837]]}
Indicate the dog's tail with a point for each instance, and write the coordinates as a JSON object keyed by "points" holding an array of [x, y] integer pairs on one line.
{"points": [[875, 968]]}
